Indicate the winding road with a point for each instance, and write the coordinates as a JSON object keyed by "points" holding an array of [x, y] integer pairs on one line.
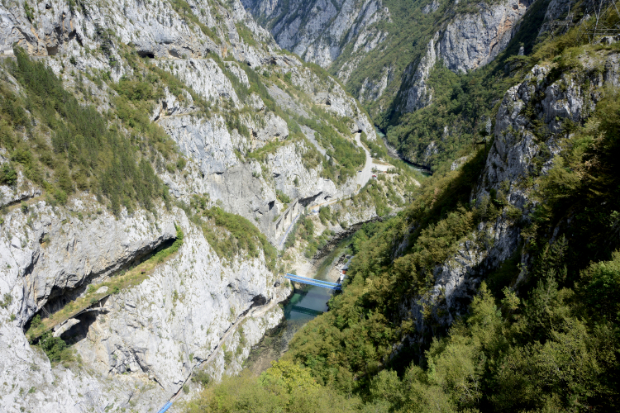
{"points": [[366, 173]]}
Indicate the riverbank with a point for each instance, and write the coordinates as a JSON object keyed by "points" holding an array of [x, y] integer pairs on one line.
{"points": [[394, 154], [301, 307]]}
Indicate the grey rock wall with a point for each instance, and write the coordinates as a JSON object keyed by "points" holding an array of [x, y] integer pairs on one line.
{"points": [[466, 43], [148, 337], [319, 30], [140, 346]]}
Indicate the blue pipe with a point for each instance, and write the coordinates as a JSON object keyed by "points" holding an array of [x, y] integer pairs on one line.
{"points": [[166, 407]]}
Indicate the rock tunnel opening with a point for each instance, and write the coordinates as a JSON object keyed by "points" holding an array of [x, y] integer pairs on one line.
{"points": [[79, 331], [146, 53]]}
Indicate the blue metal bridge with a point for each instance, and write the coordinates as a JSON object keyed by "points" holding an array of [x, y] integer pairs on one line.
{"points": [[312, 281]]}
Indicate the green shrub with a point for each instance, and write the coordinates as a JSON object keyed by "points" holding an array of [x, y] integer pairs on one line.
{"points": [[240, 234], [282, 197], [228, 355], [346, 156], [6, 301], [377, 148], [325, 214], [29, 12], [201, 377], [8, 175], [88, 151], [284, 387], [55, 348]]}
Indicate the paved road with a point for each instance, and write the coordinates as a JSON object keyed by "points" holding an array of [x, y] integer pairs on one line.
{"points": [[361, 178], [366, 174]]}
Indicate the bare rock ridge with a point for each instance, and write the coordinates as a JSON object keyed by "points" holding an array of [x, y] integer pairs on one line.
{"points": [[468, 42], [319, 30], [209, 141]]}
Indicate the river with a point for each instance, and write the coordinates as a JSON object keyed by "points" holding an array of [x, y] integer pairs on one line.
{"points": [[393, 153], [305, 304]]}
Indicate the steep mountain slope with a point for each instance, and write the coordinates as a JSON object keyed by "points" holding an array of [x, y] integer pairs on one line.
{"points": [[384, 51], [319, 31], [496, 289], [151, 156], [514, 219]]}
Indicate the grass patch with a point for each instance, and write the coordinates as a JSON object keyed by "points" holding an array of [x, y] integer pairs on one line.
{"points": [[230, 234], [184, 10]]}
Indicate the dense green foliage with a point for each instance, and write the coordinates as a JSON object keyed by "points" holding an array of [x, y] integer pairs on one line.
{"points": [[304, 231], [553, 347], [345, 156], [408, 33], [284, 388], [377, 148], [8, 176], [54, 347], [380, 193], [229, 234], [87, 152], [548, 342]]}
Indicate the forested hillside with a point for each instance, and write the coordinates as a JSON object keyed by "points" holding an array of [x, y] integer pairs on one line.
{"points": [[452, 112], [497, 288]]}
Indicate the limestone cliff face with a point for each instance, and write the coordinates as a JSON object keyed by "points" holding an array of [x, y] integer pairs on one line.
{"points": [[183, 50], [153, 333], [319, 30], [467, 42], [515, 155]]}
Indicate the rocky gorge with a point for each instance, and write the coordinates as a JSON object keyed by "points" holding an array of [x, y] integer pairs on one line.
{"points": [[231, 106], [163, 165]]}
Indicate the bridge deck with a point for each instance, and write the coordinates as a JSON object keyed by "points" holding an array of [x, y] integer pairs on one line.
{"points": [[305, 310], [312, 281]]}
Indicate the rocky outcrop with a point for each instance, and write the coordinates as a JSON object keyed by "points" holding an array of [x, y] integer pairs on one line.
{"points": [[418, 94], [517, 153], [193, 55], [371, 91], [467, 42], [23, 189], [154, 333], [320, 31], [473, 40], [555, 11], [61, 253]]}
